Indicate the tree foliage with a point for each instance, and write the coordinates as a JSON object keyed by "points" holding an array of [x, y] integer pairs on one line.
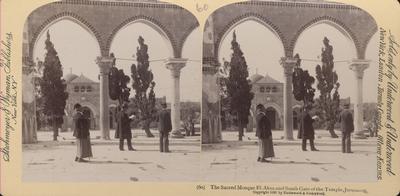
{"points": [[328, 85], [238, 86], [52, 86], [118, 84], [302, 84], [143, 85]]}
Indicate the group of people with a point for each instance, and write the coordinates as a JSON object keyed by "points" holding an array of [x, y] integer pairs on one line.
{"points": [[123, 130], [306, 131]]}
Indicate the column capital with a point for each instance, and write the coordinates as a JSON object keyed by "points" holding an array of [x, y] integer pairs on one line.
{"points": [[104, 63], [175, 65], [358, 66], [288, 63]]}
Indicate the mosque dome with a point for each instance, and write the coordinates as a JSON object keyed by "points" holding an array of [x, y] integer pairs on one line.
{"points": [[256, 77], [69, 77]]}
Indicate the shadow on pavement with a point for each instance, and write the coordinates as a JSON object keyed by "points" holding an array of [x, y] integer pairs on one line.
{"points": [[117, 162], [297, 162]]}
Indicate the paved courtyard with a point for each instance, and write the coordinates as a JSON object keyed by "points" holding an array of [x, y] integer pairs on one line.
{"points": [[54, 161], [228, 161], [233, 161]]}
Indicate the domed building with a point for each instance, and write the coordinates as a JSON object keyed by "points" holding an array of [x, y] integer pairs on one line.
{"points": [[269, 92], [86, 92]]}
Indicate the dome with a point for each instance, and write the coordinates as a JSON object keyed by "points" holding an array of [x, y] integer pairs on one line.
{"points": [[70, 77], [256, 77]]}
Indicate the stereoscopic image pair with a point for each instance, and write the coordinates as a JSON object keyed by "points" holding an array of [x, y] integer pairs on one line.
{"points": [[142, 91]]}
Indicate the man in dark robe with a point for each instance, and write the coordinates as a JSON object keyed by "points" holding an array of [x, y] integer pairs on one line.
{"points": [[347, 127], [307, 130], [164, 127], [82, 134], [264, 134], [124, 128]]}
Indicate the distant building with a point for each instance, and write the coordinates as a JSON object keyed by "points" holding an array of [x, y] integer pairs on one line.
{"points": [[269, 92], [86, 92]]}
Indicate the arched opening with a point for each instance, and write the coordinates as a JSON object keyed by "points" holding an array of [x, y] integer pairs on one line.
{"points": [[191, 76], [260, 45], [295, 120], [87, 112], [310, 43], [124, 46], [273, 117], [77, 48], [113, 117]]}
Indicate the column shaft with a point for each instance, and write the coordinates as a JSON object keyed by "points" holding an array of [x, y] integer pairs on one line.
{"points": [[288, 65], [358, 66], [175, 65], [104, 65]]}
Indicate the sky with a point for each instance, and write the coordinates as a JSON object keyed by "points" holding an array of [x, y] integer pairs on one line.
{"points": [[78, 49], [262, 50]]}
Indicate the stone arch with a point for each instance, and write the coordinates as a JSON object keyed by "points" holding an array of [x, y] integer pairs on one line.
{"points": [[91, 107], [275, 107], [364, 46], [185, 37], [337, 24], [153, 23], [75, 18], [247, 17]]}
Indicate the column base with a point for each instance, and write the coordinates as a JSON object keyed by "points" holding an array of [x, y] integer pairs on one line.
{"points": [[289, 139], [360, 135], [177, 134]]}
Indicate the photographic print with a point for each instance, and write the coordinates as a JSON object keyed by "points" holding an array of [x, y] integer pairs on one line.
{"points": [[111, 92], [290, 92], [201, 97]]}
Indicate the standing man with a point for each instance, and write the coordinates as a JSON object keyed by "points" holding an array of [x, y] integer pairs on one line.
{"points": [[307, 130], [264, 134], [164, 127], [124, 128], [347, 127], [81, 132]]}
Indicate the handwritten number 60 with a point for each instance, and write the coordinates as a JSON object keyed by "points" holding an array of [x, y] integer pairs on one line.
{"points": [[201, 8]]}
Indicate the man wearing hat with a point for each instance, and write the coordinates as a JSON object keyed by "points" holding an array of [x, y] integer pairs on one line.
{"points": [[307, 129], [124, 128], [347, 127], [264, 134], [82, 134], [164, 127]]}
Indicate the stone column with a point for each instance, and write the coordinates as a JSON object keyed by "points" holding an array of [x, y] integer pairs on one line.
{"points": [[358, 66], [288, 63], [104, 64], [175, 65]]}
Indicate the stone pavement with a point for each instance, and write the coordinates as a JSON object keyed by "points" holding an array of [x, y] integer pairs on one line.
{"points": [[49, 161], [228, 161], [233, 161]]}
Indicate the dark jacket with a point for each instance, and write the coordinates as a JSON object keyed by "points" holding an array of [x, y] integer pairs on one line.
{"points": [[346, 121], [81, 130], [164, 121], [263, 129], [306, 126], [123, 130]]}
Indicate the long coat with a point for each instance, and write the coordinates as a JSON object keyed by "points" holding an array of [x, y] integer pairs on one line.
{"points": [[346, 121], [164, 121], [123, 130], [81, 130], [306, 126], [263, 129]]}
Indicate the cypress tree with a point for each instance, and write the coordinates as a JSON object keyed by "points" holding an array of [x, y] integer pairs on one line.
{"points": [[328, 85], [239, 87], [53, 88], [143, 85]]}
